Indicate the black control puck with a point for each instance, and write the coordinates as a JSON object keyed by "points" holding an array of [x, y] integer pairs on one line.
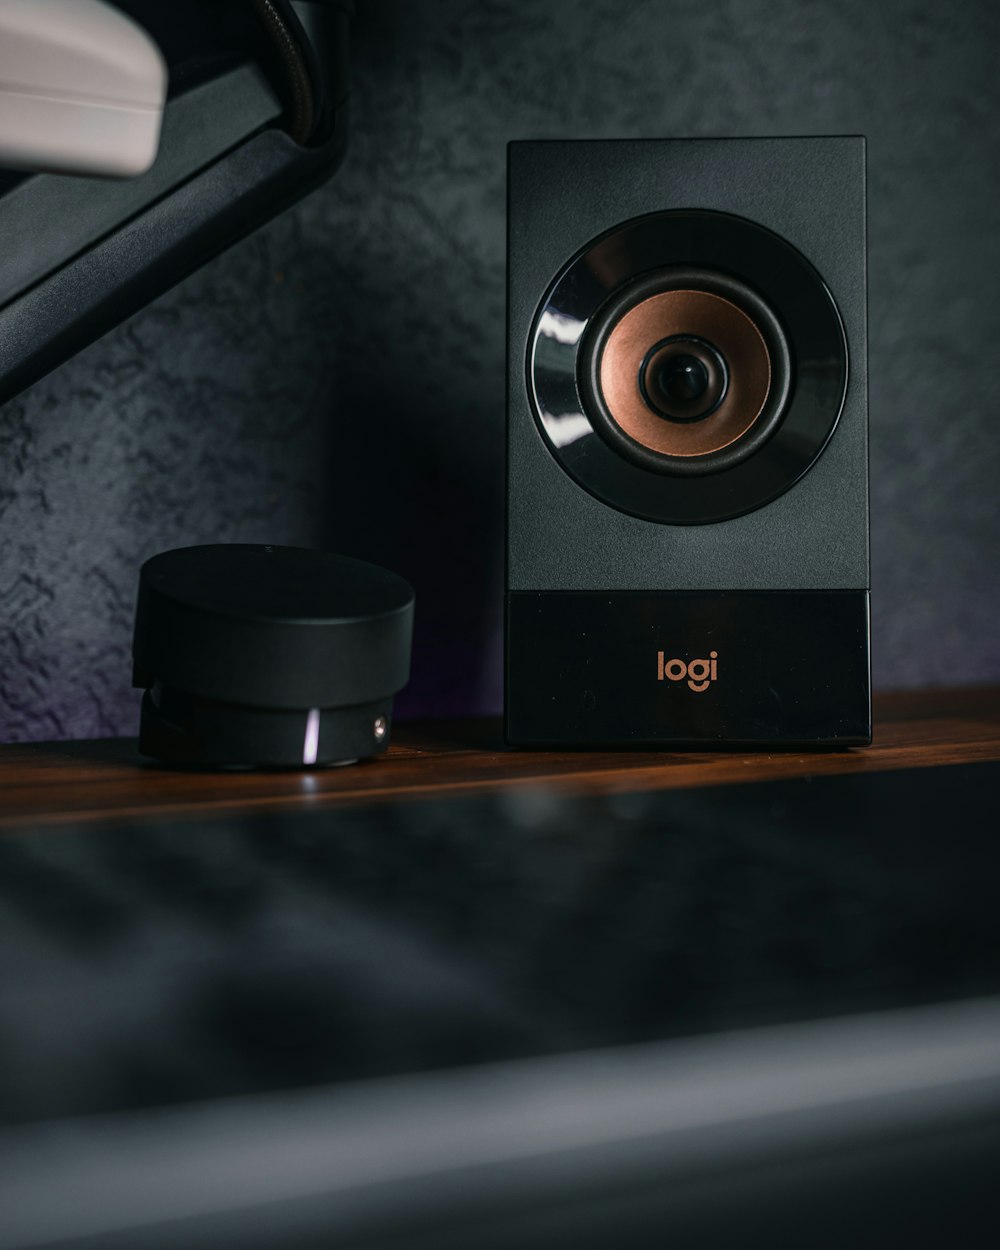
{"points": [[268, 656]]}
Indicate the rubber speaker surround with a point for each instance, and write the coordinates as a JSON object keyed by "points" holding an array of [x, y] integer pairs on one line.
{"points": [[782, 292]]}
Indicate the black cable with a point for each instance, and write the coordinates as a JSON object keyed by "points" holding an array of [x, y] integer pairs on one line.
{"points": [[303, 110]]}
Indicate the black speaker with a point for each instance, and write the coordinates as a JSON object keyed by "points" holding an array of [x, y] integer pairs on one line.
{"points": [[687, 459]]}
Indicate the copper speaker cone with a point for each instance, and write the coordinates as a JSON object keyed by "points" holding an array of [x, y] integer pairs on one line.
{"points": [[699, 315]]}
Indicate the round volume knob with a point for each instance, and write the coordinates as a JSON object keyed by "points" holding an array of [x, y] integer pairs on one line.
{"points": [[270, 656]]}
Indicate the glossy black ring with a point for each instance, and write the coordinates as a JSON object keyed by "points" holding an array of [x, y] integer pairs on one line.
{"points": [[719, 362], [675, 279], [783, 279]]}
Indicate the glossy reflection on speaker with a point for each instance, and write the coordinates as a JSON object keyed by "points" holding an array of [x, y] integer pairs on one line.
{"points": [[687, 415]]}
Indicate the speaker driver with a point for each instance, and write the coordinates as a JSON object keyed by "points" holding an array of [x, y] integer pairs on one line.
{"points": [[685, 371]]}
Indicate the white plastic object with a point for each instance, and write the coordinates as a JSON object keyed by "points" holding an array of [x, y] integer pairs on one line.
{"points": [[82, 88]]}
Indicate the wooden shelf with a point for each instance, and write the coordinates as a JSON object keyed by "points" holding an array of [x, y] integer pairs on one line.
{"points": [[80, 782]]}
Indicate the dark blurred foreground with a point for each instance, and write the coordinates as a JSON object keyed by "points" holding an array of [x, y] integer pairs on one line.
{"points": [[760, 1013]]}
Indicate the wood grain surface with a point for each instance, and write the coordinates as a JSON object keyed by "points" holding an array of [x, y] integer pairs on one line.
{"points": [[80, 782]]}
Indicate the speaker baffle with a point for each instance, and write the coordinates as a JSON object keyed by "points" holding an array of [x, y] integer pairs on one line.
{"points": [[687, 366]]}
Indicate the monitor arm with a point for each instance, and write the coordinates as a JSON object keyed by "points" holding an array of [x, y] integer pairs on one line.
{"points": [[255, 117]]}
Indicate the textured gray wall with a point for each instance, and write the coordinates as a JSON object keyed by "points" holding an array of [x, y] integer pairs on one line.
{"points": [[337, 379]]}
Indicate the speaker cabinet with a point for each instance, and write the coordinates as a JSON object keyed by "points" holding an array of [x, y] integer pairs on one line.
{"points": [[687, 465]]}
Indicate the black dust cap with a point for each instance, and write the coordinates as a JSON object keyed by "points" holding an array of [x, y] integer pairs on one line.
{"points": [[268, 655]]}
